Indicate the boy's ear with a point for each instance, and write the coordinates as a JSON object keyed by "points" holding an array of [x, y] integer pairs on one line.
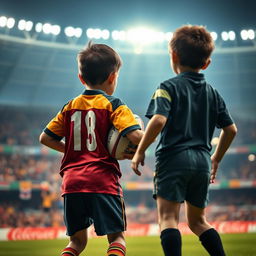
{"points": [[81, 79], [175, 57], [112, 76], [207, 63]]}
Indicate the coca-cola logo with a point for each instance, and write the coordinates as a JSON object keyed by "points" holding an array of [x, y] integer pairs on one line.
{"points": [[32, 233]]}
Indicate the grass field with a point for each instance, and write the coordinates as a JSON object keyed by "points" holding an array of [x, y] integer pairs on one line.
{"points": [[235, 245]]}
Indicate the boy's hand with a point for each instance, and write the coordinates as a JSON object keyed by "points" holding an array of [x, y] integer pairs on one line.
{"points": [[215, 165], [137, 159]]}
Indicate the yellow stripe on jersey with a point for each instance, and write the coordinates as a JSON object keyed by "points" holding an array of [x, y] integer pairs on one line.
{"points": [[81, 102], [56, 125], [86, 102], [162, 93], [122, 118]]}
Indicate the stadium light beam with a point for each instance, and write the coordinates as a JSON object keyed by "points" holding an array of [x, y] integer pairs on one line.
{"points": [[168, 36]]}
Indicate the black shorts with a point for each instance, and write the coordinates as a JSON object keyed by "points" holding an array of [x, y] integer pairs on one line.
{"points": [[105, 211], [184, 177]]}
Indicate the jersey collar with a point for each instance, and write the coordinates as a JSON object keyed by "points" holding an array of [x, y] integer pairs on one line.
{"points": [[192, 74], [93, 92]]}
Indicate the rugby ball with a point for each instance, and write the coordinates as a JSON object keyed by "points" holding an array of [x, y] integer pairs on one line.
{"points": [[117, 144]]}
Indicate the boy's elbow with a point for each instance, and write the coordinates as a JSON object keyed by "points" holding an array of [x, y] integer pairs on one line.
{"points": [[232, 130], [42, 138]]}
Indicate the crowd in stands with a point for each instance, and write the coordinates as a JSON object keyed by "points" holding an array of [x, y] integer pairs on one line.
{"points": [[19, 127], [224, 207]]}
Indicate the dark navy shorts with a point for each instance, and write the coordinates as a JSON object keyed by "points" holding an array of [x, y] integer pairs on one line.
{"points": [[105, 211], [184, 177]]}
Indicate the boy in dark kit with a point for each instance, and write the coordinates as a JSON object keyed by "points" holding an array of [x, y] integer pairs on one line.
{"points": [[90, 186], [186, 110]]}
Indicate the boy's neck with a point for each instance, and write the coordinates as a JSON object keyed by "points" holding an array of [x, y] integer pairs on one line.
{"points": [[182, 69]]}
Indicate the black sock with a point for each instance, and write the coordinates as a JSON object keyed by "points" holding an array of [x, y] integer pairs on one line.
{"points": [[171, 242], [211, 241]]}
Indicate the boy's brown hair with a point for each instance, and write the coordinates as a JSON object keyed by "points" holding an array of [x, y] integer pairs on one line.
{"points": [[96, 62], [193, 45]]}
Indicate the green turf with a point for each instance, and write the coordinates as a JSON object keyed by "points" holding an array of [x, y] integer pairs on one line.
{"points": [[235, 245]]}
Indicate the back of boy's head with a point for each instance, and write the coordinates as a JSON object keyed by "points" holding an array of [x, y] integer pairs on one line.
{"points": [[193, 45], [96, 62]]}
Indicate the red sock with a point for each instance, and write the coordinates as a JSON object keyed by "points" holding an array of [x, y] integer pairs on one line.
{"points": [[69, 252], [116, 249]]}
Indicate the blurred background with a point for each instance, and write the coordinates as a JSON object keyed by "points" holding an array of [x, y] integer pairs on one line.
{"points": [[39, 42]]}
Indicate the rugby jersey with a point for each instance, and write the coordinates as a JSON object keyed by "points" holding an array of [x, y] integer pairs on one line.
{"points": [[193, 109], [85, 122]]}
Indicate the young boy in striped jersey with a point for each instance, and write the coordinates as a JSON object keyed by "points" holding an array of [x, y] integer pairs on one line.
{"points": [[90, 187]]}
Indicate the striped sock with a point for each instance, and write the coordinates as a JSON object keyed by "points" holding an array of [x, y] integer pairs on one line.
{"points": [[69, 252], [116, 249]]}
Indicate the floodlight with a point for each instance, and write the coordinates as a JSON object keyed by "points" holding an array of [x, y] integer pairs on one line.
{"points": [[69, 31], [47, 27], [39, 27], [55, 30], [22, 25], [97, 33], [224, 36], [122, 35], [251, 34], [90, 32], [244, 34], [105, 34], [29, 25], [115, 35], [3, 21], [231, 35], [214, 35], [78, 32], [118, 35], [10, 22]]}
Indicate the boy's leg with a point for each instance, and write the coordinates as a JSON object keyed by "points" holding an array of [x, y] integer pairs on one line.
{"points": [[77, 243], [116, 244], [168, 218], [208, 236]]}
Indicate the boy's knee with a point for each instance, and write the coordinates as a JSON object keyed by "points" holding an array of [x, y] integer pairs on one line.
{"points": [[197, 226]]}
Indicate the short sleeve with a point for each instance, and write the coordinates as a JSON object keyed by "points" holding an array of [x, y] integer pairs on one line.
{"points": [[160, 102], [124, 120], [223, 117], [55, 127]]}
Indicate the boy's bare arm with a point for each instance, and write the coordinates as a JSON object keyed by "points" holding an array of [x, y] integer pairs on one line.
{"points": [[154, 127], [51, 142], [135, 136], [226, 137]]}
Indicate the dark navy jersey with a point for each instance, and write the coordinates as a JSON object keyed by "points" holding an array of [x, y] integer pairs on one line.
{"points": [[193, 109]]}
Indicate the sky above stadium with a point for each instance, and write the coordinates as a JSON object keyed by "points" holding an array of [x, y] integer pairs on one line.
{"points": [[121, 14]]}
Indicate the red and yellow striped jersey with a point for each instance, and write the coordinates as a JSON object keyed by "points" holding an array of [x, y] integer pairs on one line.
{"points": [[85, 122]]}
